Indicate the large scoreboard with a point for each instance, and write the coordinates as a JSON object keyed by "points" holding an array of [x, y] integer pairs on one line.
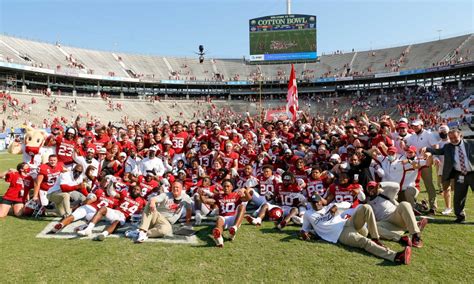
{"points": [[283, 38]]}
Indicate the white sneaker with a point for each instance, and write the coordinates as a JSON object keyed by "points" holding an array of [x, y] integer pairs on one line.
{"points": [[132, 234], [297, 220], [84, 233], [447, 211], [197, 219], [141, 237], [80, 228]]}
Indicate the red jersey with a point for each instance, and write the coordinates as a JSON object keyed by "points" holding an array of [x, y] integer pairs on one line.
{"points": [[50, 175], [228, 203], [315, 186], [267, 184], [205, 158], [19, 186], [128, 205], [147, 186], [301, 174], [103, 200], [229, 158], [344, 193], [102, 141], [64, 149], [179, 141], [246, 158], [289, 195]]}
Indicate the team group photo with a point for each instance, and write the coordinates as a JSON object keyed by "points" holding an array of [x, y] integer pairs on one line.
{"points": [[279, 141]]}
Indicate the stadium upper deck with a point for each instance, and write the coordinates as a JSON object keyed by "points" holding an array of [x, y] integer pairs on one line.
{"points": [[85, 63]]}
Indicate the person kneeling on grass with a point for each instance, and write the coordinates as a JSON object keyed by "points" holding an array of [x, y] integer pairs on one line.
{"points": [[130, 203], [231, 210], [324, 222], [162, 211], [17, 193]]}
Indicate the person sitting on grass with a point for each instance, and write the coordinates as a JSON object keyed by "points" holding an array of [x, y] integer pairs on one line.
{"points": [[348, 228]]}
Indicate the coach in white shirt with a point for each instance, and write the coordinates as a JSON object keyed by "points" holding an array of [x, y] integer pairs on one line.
{"points": [[330, 226], [152, 163], [132, 164], [68, 187], [422, 139]]}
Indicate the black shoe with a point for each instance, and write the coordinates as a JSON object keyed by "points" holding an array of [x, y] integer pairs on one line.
{"points": [[460, 220], [431, 212]]}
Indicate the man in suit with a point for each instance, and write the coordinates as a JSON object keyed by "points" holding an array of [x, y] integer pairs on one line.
{"points": [[458, 164]]}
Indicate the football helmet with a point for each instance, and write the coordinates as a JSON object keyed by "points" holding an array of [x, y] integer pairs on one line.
{"points": [[275, 214]]}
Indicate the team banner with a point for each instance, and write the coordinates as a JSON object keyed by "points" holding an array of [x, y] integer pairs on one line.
{"points": [[283, 38]]}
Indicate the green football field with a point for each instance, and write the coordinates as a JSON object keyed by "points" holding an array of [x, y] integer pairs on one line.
{"points": [[257, 255], [283, 41]]}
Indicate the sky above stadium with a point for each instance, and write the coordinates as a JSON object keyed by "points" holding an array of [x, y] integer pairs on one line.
{"points": [[177, 27]]}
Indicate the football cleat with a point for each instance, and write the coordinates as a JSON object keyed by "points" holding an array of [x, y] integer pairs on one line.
{"points": [[84, 233], [142, 236], [58, 227], [100, 237], [405, 241], [422, 223], [403, 257], [216, 234], [280, 225], [232, 232], [417, 242]]}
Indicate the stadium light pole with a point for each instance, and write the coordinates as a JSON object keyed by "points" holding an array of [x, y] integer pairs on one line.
{"points": [[288, 7], [439, 34]]}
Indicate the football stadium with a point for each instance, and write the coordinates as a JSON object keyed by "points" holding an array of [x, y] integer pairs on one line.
{"points": [[290, 163]]}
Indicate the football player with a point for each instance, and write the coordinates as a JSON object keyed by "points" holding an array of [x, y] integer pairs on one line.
{"points": [[231, 210]]}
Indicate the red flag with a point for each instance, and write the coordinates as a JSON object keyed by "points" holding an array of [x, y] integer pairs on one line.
{"points": [[292, 97]]}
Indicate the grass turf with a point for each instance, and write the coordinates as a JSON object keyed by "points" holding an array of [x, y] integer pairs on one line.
{"points": [[257, 255], [260, 41]]}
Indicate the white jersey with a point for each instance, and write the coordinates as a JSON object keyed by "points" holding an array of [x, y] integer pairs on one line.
{"points": [[66, 178], [328, 226], [155, 164]]}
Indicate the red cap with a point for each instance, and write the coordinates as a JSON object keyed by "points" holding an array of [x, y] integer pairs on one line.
{"points": [[392, 149], [411, 149], [372, 184], [89, 134], [402, 125]]}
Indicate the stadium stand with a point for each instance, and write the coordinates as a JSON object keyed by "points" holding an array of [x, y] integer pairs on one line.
{"points": [[406, 57]]}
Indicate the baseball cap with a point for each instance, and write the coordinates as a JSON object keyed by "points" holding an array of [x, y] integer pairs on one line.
{"points": [[217, 127], [153, 148], [90, 150], [315, 198], [287, 151], [181, 172], [103, 151], [402, 125], [392, 149], [372, 184], [335, 157], [443, 128], [71, 131], [403, 119], [167, 142], [411, 149], [123, 154], [416, 122]]}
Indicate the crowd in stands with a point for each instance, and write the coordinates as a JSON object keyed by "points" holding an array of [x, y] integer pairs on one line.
{"points": [[234, 167]]}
